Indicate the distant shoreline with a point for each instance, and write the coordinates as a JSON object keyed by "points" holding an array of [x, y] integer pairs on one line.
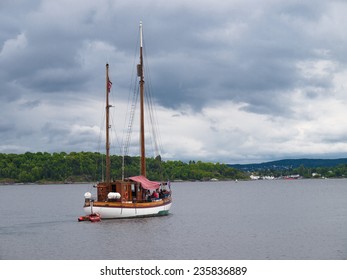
{"points": [[176, 181]]}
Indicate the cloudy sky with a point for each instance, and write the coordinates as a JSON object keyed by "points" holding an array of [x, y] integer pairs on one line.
{"points": [[236, 81]]}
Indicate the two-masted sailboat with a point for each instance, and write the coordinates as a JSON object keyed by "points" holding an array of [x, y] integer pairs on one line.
{"points": [[134, 196]]}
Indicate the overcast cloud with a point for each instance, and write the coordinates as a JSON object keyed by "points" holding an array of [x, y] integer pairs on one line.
{"points": [[235, 81]]}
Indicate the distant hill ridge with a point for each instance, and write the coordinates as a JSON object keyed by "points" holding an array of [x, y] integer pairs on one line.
{"points": [[290, 164]]}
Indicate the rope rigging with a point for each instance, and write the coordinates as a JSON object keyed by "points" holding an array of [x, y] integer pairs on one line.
{"points": [[125, 146], [152, 128]]}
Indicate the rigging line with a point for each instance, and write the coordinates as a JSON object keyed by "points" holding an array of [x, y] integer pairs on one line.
{"points": [[114, 135], [113, 127], [154, 122], [128, 111], [152, 110], [101, 126], [101, 131], [132, 87], [157, 130], [127, 130], [148, 100], [150, 120], [131, 119], [153, 130]]}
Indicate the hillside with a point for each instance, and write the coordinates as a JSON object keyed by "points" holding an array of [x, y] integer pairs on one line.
{"points": [[288, 164], [88, 166]]}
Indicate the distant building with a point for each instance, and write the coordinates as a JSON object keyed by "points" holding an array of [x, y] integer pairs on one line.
{"points": [[254, 177]]}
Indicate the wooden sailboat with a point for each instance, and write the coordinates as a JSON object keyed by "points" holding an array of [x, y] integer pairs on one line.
{"points": [[134, 196]]}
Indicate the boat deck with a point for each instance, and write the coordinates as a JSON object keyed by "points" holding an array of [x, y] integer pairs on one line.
{"points": [[131, 204]]}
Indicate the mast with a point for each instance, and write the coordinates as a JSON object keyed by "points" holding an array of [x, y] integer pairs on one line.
{"points": [[142, 114], [108, 162]]}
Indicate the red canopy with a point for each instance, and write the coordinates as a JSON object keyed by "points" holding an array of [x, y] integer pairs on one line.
{"points": [[145, 183]]}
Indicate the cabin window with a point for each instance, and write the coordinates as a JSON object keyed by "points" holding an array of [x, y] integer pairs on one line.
{"points": [[133, 190]]}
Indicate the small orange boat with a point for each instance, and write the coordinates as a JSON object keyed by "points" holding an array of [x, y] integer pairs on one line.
{"points": [[92, 218]]}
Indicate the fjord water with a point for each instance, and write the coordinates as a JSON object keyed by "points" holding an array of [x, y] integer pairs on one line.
{"points": [[279, 219]]}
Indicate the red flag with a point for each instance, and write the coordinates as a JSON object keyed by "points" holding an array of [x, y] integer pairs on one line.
{"points": [[109, 85]]}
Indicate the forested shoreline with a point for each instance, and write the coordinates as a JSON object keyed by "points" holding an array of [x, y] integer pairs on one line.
{"points": [[43, 167]]}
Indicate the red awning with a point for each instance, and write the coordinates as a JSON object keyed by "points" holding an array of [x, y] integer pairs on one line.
{"points": [[145, 183]]}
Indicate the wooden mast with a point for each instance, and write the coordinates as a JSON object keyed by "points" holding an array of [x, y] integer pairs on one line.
{"points": [[108, 162], [142, 117]]}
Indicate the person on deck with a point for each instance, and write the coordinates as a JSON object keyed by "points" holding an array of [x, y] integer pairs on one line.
{"points": [[155, 194]]}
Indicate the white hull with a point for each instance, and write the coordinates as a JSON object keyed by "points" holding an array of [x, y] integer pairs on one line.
{"points": [[128, 212]]}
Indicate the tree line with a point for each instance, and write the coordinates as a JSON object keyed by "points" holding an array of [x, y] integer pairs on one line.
{"points": [[338, 171], [89, 167]]}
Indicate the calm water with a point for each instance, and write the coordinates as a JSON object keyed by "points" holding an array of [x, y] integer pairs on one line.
{"points": [[298, 219]]}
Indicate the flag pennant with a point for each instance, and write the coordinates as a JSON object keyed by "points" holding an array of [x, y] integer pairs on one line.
{"points": [[109, 85]]}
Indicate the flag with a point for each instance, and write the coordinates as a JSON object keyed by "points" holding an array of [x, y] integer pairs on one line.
{"points": [[109, 85]]}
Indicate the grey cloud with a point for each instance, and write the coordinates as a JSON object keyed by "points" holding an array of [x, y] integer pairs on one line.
{"points": [[262, 60], [30, 104], [199, 53], [5, 127]]}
